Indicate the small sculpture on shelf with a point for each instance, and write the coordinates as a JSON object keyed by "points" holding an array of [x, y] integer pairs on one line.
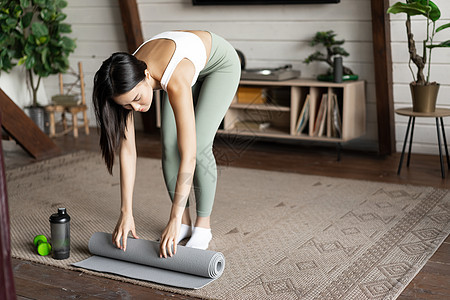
{"points": [[334, 51]]}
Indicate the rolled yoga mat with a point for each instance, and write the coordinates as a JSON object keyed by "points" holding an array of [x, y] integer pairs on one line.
{"points": [[189, 268]]}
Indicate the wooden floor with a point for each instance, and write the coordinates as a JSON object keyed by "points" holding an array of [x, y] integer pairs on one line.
{"points": [[35, 281]]}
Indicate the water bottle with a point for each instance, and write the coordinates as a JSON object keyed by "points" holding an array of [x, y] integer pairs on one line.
{"points": [[60, 234]]}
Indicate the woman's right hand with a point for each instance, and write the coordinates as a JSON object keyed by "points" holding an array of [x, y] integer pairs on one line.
{"points": [[125, 224]]}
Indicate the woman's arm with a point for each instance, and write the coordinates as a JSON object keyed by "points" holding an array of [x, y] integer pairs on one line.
{"points": [[127, 158], [180, 97]]}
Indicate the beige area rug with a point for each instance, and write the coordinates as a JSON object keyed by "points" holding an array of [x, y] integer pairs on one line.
{"points": [[284, 236]]}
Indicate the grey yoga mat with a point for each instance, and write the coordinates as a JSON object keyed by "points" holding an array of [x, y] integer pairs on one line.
{"points": [[190, 268]]}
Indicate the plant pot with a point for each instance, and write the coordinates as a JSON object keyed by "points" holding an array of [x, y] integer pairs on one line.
{"points": [[37, 114], [330, 77], [424, 97]]}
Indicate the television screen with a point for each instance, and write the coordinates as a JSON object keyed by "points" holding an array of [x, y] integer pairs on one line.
{"points": [[237, 2]]}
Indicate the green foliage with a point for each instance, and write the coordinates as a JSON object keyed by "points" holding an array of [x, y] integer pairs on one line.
{"points": [[326, 38], [316, 56], [445, 44], [333, 47], [432, 13], [412, 9], [32, 34], [443, 27]]}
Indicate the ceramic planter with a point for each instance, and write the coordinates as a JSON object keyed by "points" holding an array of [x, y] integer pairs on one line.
{"points": [[424, 97]]}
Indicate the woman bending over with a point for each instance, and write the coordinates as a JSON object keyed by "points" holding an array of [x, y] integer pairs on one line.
{"points": [[199, 72]]}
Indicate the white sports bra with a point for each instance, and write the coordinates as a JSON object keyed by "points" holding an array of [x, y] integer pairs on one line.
{"points": [[187, 45]]}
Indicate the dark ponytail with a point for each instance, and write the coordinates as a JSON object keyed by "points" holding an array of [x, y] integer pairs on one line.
{"points": [[118, 74]]}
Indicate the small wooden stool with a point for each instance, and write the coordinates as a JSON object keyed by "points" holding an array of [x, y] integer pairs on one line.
{"points": [[438, 115], [74, 110], [71, 108]]}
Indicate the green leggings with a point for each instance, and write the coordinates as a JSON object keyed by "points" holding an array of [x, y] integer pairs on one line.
{"points": [[213, 92]]}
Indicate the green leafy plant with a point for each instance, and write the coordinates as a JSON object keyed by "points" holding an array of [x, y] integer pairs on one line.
{"points": [[333, 48], [33, 34], [431, 12]]}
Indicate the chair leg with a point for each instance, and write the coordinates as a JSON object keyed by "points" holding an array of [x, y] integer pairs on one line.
{"points": [[64, 121], [52, 124], [86, 122], [75, 125]]}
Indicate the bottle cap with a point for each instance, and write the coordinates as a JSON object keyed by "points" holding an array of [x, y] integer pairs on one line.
{"points": [[60, 217]]}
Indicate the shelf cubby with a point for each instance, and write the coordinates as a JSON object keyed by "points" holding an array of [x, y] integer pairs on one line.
{"points": [[279, 115]]}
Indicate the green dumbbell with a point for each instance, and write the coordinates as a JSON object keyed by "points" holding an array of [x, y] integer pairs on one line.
{"points": [[42, 245]]}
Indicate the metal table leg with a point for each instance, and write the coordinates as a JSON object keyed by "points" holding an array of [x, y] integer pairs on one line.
{"points": [[404, 146], [411, 141], [445, 142], [440, 150]]}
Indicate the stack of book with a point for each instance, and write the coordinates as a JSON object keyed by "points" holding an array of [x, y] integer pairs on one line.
{"points": [[251, 95]]}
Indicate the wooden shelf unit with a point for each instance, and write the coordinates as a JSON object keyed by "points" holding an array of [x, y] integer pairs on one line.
{"points": [[283, 118]]}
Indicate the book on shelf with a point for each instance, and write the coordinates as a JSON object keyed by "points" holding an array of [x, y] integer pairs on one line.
{"points": [[319, 124], [303, 117], [329, 113], [328, 120], [335, 118]]}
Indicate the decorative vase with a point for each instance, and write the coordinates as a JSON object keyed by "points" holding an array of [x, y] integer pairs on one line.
{"points": [[424, 97]]}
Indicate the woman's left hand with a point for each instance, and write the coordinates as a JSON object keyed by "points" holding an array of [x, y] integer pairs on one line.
{"points": [[169, 237]]}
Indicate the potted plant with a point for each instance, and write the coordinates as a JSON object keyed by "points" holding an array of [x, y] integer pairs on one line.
{"points": [[333, 49], [424, 93], [33, 35]]}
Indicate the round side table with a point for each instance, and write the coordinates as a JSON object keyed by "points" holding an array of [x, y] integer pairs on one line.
{"points": [[439, 114]]}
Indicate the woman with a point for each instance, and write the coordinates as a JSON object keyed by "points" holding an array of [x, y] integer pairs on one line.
{"points": [[199, 72]]}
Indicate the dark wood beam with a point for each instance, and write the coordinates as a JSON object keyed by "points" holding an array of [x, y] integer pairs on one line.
{"points": [[24, 131], [131, 24], [381, 35], [133, 34]]}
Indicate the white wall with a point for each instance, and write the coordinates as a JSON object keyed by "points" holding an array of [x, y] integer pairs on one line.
{"points": [[16, 87], [425, 138]]}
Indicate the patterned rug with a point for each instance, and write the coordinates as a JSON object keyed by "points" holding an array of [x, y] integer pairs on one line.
{"points": [[284, 236]]}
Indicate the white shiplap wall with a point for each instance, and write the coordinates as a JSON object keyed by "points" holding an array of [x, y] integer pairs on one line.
{"points": [[425, 138]]}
